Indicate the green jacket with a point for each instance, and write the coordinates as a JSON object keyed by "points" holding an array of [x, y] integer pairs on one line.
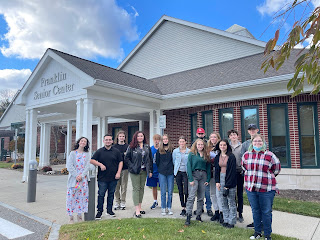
{"points": [[197, 162]]}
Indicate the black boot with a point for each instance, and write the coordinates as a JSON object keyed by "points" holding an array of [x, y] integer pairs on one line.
{"points": [[187, 223], [221, 218], [216, 216]]}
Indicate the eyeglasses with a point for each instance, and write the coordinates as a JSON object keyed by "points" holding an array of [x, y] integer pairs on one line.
{"points": [[257, 141]]}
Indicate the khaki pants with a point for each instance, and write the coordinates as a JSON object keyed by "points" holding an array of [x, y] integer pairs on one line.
{"points": [[138, 182], [120, 195]]}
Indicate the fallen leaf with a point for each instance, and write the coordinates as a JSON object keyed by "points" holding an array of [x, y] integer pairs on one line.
{"points": [[100, 235], [203, 231], [142, 229], [181, 230], [144, 236], [118, 228]]}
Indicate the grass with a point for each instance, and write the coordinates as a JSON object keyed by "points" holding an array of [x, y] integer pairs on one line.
{"points": [[293, 206], [151, 228], [5, 165]]}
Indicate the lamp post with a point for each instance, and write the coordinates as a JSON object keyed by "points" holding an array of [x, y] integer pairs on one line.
{"points": [[32, 181]]}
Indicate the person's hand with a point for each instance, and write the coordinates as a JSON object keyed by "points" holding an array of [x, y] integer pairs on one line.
{"points": [[117, 176], [150, 175], [192, 183], [206, 183], [79, 178], [218, 186], [103, 167]]}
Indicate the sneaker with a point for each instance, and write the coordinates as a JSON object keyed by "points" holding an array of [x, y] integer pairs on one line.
{"points": [[267, 238], [163, 211], [154, 205], [98, 216], [198, 218], [122, 206], [256, 235], [71, 221], [170, 211], [79, 218], [251, 225], [240, 218], [230, 226], [225, 225], [195, 212], [183, 212], [210, 213], [116, 206], [110, 213]]}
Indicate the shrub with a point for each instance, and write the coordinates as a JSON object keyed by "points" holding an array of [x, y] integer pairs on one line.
{"points": [[46, 168], [64, 171], [16, 166]]}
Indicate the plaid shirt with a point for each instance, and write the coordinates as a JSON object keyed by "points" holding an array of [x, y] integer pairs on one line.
{"points": [[261, 170]]}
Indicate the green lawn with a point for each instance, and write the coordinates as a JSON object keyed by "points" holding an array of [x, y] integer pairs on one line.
{"points": [[5, 165], [151, 228]]}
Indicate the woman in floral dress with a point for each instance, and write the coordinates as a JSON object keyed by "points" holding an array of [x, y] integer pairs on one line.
{"points": [[78, 167]]}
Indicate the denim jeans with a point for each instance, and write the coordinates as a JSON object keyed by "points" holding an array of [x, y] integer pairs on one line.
{"points": [[198, 189], [213, 194], [208, 197], [182, 183], [261, 205], [228, 203], [166, 183], [103, 187]]}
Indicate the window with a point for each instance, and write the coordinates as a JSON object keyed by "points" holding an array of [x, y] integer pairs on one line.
{"points": [[193, 127], [131, 131], [207, 122], [226, 121], [279, 133], [249, 115], [308, 134], [115, 131]]}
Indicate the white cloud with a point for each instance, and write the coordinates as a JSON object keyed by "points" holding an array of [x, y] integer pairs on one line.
{"points": [[86, 28], [13, 78]]}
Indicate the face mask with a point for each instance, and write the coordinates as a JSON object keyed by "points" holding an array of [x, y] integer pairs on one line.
{"points": [[257, 149]]}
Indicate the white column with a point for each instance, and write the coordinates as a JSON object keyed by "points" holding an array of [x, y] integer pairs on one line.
{"points": [[141, 125], [69, 139], [158, 114], [104, 129], [26, 149], [87, 119], [41, 157], [44, 145], [99, 133], [32, 147], [151, 126], [79, 120]]}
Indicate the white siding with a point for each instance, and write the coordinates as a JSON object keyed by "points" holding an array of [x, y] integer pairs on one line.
{"points": [[15, 113], [175, 47]]}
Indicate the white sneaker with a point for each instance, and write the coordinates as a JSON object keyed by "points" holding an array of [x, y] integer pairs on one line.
{"points": [[163, 211], [122, 206], [169, 211], [116, 206]]}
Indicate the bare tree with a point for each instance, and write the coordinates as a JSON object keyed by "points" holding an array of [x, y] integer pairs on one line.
{"points": [[6, 96]]}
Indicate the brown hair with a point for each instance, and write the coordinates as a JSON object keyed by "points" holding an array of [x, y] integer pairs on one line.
{"points": [[134, 142], [120, 132], [210, 145], [194, 149], [161, 148], [156, 137]]}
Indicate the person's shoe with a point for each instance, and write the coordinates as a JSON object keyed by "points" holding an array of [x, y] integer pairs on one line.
{"points": [[256, 235], [98, 215], [142, 212], [221, 218], [187, 223], [216, 216], [240, 218], [210, 213], [116, 206], [251, 225], [198, 218], [136, 216], [230, 226], [225, 225], [163, 211], [170, 211], [122, 206], [71, 221], [154, 205], [79, 218], [195, 212], [183, 212], [110, 213], [267, 238]]}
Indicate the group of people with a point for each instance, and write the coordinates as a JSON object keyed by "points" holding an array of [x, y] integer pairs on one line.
{"points": [[216, 169]]}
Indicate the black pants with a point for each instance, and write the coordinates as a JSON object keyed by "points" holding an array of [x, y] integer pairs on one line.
{"points": [[182, 182], [240, 181]]}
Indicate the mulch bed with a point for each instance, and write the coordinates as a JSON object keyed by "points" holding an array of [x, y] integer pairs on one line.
{"points": [[303, 195]]}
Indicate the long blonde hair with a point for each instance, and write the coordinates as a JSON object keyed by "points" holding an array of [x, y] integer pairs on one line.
{"points": [[210, 144], [194, 149], [161, 148]]}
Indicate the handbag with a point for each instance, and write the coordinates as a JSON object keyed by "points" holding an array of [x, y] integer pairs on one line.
{"points": [[225, 192]]}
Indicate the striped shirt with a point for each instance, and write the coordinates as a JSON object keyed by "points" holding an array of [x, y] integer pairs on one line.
{"points": [[261, 170]]}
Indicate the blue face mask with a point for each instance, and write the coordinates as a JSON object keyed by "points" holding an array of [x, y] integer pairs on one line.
{"points": [[257, 149]]}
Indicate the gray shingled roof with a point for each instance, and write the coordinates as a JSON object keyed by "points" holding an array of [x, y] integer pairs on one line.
{"points": [[234, 71], [101, 72]]}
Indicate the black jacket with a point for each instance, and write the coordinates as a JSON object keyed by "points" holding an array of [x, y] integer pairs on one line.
{"points": [[164, 163], [133, 159], [231, 177]]}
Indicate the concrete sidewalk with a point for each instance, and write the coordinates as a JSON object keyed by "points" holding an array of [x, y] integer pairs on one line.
{"points": [[51, 197]]}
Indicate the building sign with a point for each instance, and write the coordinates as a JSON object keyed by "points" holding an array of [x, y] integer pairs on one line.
{"points": [[55, 85], [162, 122]]}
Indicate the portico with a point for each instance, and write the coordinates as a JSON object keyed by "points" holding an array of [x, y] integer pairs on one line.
{"points": [[59, 92]]}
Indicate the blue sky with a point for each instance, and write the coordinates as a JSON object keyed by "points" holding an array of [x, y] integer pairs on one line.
{"points": [[106, 31]]}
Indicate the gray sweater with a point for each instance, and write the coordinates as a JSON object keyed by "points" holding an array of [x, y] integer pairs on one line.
{"points": [[236, 150], [71, 166]]}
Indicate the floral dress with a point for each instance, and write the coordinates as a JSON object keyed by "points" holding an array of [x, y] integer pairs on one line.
{"points": [[77, 196]]}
